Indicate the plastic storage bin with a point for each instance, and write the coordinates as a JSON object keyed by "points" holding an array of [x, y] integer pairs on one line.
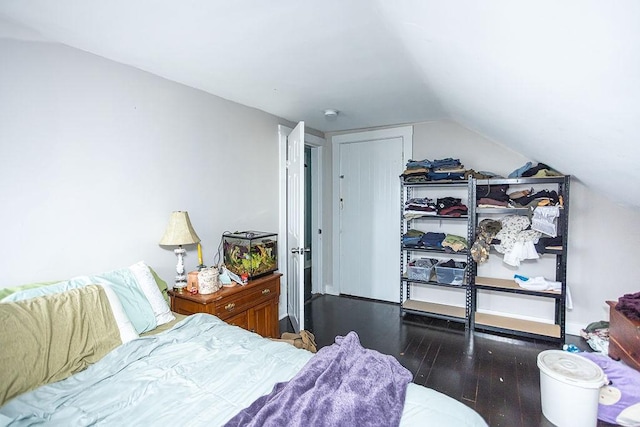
{"points": [[569, 388], [253, 253], [421, 269], [450, 272]]}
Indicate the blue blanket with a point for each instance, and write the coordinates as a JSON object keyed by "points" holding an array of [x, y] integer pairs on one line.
{"points": [[343, 384]]}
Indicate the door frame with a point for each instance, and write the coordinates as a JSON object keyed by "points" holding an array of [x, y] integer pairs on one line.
{"points": [[404, 132], [317, 150]]}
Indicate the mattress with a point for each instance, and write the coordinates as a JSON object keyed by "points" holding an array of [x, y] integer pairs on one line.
{"points": [[200, 371]]}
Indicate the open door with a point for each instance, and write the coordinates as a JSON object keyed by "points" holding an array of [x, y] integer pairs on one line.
{"points": [[295, 226]]}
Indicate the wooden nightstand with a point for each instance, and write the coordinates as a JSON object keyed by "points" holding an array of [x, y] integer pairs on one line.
{"points": [[624, 337], [253, 306]]}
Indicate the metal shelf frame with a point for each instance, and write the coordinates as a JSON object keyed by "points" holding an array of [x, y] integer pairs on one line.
{"points": [[512, 326], [423, 308], [472, 318]]}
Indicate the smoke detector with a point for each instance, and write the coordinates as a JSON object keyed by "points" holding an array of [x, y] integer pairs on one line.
{"points": [[331, 114]]}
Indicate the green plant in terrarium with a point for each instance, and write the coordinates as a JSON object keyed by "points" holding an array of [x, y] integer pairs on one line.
{"points": [[251, 262]]}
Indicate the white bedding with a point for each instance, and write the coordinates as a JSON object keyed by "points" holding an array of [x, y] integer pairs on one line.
{"points": [[200, 372]]}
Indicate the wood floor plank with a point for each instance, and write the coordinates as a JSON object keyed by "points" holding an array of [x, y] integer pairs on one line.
{"points": [[528, 389], [445, 374], [471, 372], [430, 352], [412, 356], [484, 401], [504, 389]]}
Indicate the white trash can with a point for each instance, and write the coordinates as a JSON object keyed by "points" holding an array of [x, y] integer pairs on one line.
{"points": [[569, 388]]}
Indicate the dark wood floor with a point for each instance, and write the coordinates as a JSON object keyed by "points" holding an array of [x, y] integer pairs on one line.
{"points": [[496, 376]]}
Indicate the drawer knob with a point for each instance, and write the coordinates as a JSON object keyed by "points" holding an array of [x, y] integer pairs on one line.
{"points": [[265, 291], [230, 306]]}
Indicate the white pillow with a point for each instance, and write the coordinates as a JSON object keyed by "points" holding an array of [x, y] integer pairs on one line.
{"points": [[127, 331], [150, 289]]}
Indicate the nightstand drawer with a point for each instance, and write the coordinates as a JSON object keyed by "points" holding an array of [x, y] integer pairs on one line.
{"points": [[185, 306], [244, 300], [240, 319]]}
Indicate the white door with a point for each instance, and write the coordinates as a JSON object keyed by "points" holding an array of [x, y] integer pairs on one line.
{"points": [[369, 166], [295, 226]]}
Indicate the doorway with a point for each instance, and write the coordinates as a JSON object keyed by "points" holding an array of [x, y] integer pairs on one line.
{"points": [[313, 216], [308, 214], [312, 282], [366, 187]]}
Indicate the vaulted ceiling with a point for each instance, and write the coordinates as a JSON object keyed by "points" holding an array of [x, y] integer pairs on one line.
{"points": [[557, 81]]}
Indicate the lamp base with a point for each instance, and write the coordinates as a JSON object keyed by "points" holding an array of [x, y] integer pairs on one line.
{"points": [[181, 278], [181, 283]]}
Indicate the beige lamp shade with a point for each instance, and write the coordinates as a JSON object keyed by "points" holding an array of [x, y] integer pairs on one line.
{"points": [[179, 231]]}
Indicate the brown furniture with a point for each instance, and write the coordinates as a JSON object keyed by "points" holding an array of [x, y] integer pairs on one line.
{"points": [[253, 306], [624, 337]]}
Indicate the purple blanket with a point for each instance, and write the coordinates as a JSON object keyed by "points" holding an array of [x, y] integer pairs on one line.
{"points": [[343, 384], [629, 305]]}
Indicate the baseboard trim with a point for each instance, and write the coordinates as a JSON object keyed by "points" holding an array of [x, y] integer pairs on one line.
{"points": [[573, 328], [329, 289]]}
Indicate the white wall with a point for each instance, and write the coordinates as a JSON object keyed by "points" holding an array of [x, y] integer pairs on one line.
{"points": [[603, 253], [94, 156], [603, 237]]}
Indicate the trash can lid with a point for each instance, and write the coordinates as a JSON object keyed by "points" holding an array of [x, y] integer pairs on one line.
{"points": [[571, 369]]}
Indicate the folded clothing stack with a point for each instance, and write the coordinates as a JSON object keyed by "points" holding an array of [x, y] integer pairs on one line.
{"points": [[416, 171], [455, 243], [539, 171], [446, 169], [451, 206], [419, 207], [412, 237], [432, 240], [492, 196]]}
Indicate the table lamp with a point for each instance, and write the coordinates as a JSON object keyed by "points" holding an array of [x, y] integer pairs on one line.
{"points": [[179, 232]]}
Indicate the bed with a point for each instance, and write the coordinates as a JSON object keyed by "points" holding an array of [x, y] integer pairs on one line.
{"points": [[188, 371]]}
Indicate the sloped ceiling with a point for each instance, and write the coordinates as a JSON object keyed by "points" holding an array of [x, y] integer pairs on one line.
{"points": [[558, 81]]}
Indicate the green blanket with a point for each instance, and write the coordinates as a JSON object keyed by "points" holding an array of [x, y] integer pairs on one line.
{"points": [[49, 338]]}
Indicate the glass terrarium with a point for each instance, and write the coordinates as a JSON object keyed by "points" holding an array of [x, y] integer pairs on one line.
{"points": [[254, 253]]}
